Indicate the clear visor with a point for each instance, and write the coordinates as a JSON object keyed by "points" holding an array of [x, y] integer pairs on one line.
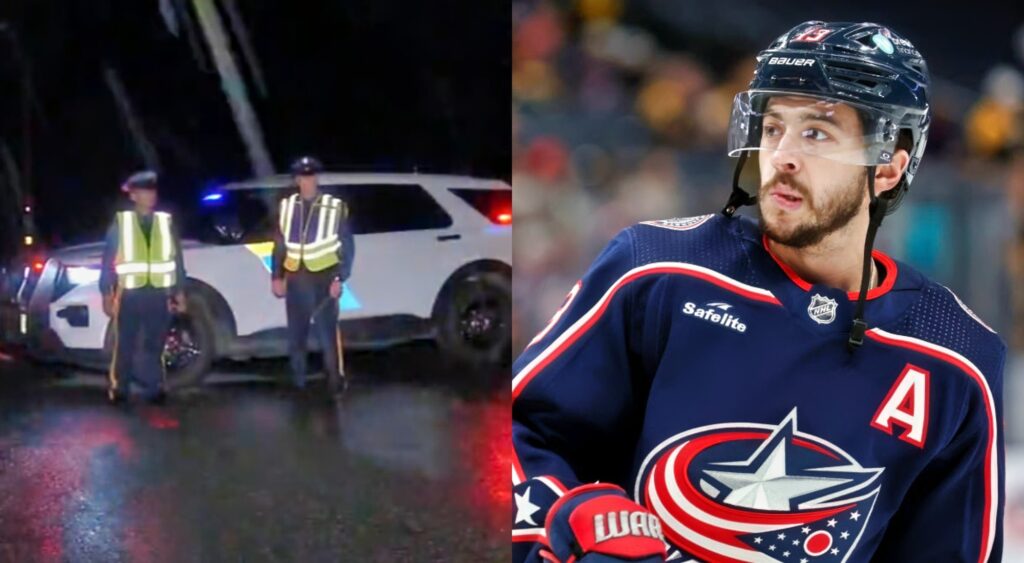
{"points": [[781, 122]]}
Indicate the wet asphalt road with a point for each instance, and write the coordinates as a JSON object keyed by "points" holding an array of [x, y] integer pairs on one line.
{"points": [[408, 467]]}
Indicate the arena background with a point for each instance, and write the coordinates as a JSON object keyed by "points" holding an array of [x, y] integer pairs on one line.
{"points": [[620, 110]]}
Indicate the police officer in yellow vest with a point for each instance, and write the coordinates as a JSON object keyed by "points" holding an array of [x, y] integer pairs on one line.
{"points": [[142, 281], [313, 253]]}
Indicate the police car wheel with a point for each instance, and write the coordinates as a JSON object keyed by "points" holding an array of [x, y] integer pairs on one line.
{"points": [[188, 349], [474, 324]]}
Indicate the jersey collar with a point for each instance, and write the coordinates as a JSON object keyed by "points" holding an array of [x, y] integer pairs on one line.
{"points": [[885, 264]]}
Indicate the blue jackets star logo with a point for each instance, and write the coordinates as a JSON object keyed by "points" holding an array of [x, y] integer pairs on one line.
{"points": [[744, 491], [778, 473]]}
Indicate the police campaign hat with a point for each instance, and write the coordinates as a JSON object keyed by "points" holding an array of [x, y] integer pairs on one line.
{"points": [[145, 179], [306, 166]]}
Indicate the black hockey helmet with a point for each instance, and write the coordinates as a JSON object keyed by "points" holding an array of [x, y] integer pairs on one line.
{"points": [[866, 66]]}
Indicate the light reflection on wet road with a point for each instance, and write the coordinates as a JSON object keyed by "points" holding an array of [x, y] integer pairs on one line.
{"points": [[407, 468]]}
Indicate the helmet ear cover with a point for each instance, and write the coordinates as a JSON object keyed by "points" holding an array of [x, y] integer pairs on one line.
{"points": [[904, 142]]}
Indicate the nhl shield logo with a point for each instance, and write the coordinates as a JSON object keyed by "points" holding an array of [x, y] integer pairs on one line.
{"points": [[822, 309]]}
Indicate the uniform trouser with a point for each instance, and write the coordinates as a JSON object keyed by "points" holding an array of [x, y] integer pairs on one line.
{"points": [[308, 296], [140, 329]]}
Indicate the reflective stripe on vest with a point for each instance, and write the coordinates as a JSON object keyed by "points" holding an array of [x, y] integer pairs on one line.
{"points": [[285, 214], [313, 243], [139, 264]]}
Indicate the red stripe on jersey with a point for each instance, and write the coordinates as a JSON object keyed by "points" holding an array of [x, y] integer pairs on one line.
{"points": [[539, 538], [888, 263], [938, 352], [550, 355], [517, 468], [815, 447], [548, 556], [593, 316]]}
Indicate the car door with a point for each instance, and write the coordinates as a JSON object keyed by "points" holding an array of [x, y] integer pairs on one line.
{"points": [[238, 229], [400, 235]]}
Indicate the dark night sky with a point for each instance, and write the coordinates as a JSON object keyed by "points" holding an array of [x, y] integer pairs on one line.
{"points": [[363, 84]]}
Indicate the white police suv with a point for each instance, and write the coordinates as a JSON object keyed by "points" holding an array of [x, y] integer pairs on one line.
{"points": [[433, 260]]}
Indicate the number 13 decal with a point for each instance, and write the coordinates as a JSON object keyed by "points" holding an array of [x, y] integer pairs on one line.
{"points": [[813, 35]]}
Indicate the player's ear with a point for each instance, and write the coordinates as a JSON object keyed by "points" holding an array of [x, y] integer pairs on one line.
{"points": [[887, 176]]}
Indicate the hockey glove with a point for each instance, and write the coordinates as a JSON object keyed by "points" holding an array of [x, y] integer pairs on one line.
{"points": [[597, 523]]}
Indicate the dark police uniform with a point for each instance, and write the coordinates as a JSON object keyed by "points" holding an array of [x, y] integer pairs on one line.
{"points": [[142, 269], [313, 247]]}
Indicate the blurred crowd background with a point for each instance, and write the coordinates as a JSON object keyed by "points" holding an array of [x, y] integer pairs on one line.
{"points": [[620, 112]]}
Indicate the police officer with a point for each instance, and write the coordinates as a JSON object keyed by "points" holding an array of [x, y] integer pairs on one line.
{"points": [[142, 281], [313, 253]]}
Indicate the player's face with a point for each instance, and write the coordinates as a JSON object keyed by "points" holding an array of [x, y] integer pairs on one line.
{"points": [[805, 196]]}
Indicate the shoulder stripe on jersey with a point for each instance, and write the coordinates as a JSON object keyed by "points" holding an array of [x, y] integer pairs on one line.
{"points": [[988, 523], [580, 327], [969, 311], [583, 324]]}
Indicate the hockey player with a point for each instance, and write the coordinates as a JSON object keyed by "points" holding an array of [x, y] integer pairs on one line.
{"points": [[715, 389]]}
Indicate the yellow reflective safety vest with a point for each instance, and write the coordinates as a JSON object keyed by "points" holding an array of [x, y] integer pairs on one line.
{"points": [[313, 243], [139, 264]]}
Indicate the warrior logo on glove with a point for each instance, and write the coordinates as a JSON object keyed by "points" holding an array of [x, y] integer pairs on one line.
{"points": [[741, 492], [624, 523]]}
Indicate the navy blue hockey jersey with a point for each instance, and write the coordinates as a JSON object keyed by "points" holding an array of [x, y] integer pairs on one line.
{"points": [[698, 372]]}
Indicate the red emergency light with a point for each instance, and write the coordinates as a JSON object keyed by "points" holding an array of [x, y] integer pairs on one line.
{"points": [[504, 218]]}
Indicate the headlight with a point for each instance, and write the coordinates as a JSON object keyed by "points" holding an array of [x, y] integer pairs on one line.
{"points": [[78, 275]]}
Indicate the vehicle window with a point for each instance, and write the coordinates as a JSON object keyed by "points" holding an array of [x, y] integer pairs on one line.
{"points": [[496, 205], [389, 208], [239, 216]]}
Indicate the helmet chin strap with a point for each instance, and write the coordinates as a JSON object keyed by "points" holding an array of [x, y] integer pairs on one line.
{"points": [[876, 212], [739, 197]]}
